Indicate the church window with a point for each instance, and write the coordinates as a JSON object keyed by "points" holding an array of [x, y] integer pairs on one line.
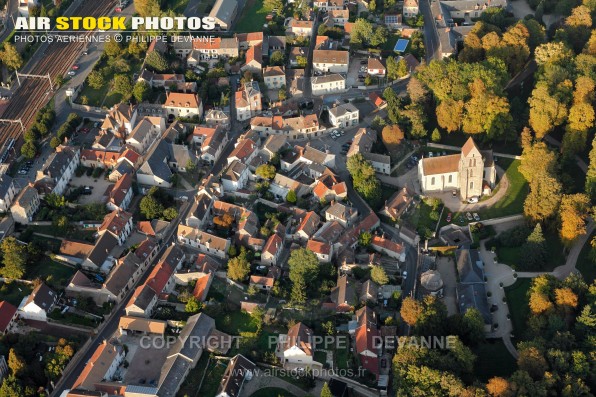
{"points": [[471, 185]]}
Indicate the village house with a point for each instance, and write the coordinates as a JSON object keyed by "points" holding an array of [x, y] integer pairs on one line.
{"points": [[308, 226], [274, 77], [239, 370], [102, 366], [254, 59], [295, 349], [119, 195], [59, 168], [118, 223], [217, 118], [145, 133], [212, 49], [272, 250], [410, 8], [389, 248], [376, 67], [8, 191], [398, 204], [323, 251], [344, 115], [8, 317], [331, 61], [327, 84], [159, 80], [100, 257], [203, 241], [183, 105], [366, 335], [120, 120], [329, 5], [342, 213], [235, 177], [363, 144], [262, 283], [224, 13], [248, 101], [300, 28], [38, 304], [338, 17], [25, 205]]}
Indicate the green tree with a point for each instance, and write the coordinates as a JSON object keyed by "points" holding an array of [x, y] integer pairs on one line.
{"points": [[55, 142], [365, 239], [238, 267], [486, 112], [113, 49], [278, 58], [378, 275], [591, 173], [304, 269], [11, 57], [122, 85], [393, 104], [291, 197], [14, 258], [156, 61], [29, 150], [150, 207], [266, 171], [193, 305], [95, 80], [362, 31], [534, 249], [450, 114], [271, 5], [436, 136], [61, 223], [473, 324], [364, 178], [170, 213], [147, 8], [55, 201], [141, 91]]}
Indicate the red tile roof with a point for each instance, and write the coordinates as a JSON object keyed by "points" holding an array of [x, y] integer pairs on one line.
{"points": [[260, 280], [318, 247], [115, 222], [202, 287], [244, 149], [273, 244], [7, 312], [120, 189], [159, 277]]}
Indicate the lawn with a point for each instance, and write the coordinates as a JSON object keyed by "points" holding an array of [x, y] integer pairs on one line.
{"points": [[212, 379], [513, 201], [390, 43], [178, 6], [519, 309], [235, 322], [585, 264], [94, 97], [341, 358], [254, 16], [320, 356], [493, 359], [272, 392], [51, 272], [554, 247], [14, 292], [425, 216]]}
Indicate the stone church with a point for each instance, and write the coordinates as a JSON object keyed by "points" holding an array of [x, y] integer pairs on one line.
{"points": [[472, 172]]}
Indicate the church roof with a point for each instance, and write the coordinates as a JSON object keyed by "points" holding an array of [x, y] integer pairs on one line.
{"points": [[469, 146], [440, 165]]}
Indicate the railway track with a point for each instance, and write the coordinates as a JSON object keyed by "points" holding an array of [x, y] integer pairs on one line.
{"points": [[35, 93]]}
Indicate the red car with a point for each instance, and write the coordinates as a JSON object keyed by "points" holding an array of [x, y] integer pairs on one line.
{"points": [[84, 129], [118, 9], [449, 217], [75, 67]]}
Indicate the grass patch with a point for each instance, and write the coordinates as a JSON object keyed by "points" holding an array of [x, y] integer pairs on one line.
{"points": [[272, 392], [55, 274], [424, 217], [585, 264], [513, 201], [390, 43], [554, 252], [493, 359], [235, 322], [519, 308], [253, 17], [14, 292], [341, 358], [73, 319], [94, 97], [320, 357], [212, 379]]}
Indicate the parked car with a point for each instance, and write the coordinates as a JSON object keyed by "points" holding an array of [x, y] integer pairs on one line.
{"points": [[23, 172], [364, 62], [469, 216], [71, 73], [449, 217], [476, 217], [404, 274], [430, 154], [75, 67], [473, 200], [454, 193]]}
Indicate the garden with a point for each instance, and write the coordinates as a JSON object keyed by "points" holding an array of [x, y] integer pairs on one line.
{"points": [[518, 304]]}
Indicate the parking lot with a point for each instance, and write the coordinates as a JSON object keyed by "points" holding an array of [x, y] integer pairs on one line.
{"points": [[354, 70], [98, 188]]}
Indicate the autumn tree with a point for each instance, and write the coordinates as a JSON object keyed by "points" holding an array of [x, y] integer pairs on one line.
{"points": [[325, 391], [449, 114], [540, 303], [486, 112], [411, 309], [224, 220], [573, 214], [566, 297], [16, 363], [95, 80], [392, 136], [532, 361], [499, 387], [239, 267], [378, 275]]}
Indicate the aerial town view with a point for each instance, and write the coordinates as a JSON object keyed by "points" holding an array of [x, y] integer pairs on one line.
{"points": [[297, 198]]}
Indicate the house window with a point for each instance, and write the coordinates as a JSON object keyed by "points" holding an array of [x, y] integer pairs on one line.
{"points": [[432, 180], [450, 178]]}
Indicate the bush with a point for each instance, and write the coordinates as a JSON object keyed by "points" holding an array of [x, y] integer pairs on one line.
{"points": [[514, 237], [97, 172]]}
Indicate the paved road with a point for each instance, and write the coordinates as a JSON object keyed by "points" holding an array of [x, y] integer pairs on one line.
{"points": [[12, 9], [431, 38]]}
